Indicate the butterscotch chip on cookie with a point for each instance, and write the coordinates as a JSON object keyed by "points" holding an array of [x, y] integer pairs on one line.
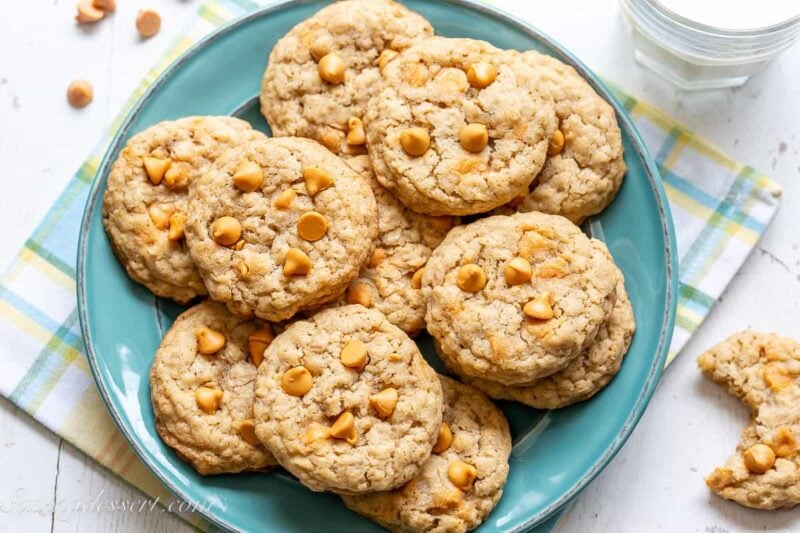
{"points": [[456, 129], [201, 386], [322, 73], [762, 370], [462, 481], [494, 327], [346, 402], [405, 242], [144, 206], [280, 225], [584, 376], [585, 165]]}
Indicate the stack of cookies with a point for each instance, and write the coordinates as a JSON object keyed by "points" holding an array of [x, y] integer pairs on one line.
{"points": [[322, 249]]}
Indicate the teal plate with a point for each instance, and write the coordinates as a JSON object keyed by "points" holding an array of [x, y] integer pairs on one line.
{"points": [[555, 455]]}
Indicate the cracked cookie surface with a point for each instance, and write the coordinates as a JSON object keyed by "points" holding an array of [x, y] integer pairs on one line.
{"points": [[763, 371], [385, 438], [261, 273], [431, 502], [405, 242], [428, 87], [137, 211], [583, 178], [211, 442], [487, 332], [585, 375], [297, 101]]}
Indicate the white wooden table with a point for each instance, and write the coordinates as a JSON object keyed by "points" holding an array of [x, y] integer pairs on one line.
{"points": [[655, 483]]}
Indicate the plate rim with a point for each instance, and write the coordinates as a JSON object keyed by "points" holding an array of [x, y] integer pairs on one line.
{"points": [[561, 53]]}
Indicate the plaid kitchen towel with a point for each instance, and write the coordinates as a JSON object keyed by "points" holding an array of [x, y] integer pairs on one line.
{"points": [[720, 207]]}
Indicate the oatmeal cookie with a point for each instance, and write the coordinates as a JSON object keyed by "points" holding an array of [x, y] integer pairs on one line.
{"points": [[201, 386], [585, 165], [390, 279], [279, 225], [144, 206], [762, 370], [346, 402], [322, 73], [515, 298], [585, 375], [457, 129], [461, 482]]}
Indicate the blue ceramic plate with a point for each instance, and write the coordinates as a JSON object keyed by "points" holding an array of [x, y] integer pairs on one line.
{"points": [[556, 454]]}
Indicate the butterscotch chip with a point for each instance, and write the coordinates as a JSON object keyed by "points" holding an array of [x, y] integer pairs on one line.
{"points": [[359, 294], [226, 231], [386, 55], [155, 168], [415, 141], [384, 402], [80, 93], [462, 475], [143, 247], [297, 381], [177, 223], [105, 5], [354, 355], [297, 263], [209, 341], [332, 68], [479, 319], [312, 226], [148, 22], [481, 75], [248, 177], [556, 145], [444, 440], [518, 271], [257, 343], [777, 376], [355, 132], [176, 177], [208, 399], [383, 445], [783, 442], [247, 430], [345, 428], [416, 279], [299, 258], [88, 13], [307, 93], [540, 308], [471, 278], [160, 215], [285, 199], [477, 460], [378, 255], [316, 180], [203, 406], [759, 458], [473, 137]]}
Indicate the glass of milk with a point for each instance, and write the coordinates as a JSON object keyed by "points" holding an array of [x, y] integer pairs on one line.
{"points": [[707, 44]]}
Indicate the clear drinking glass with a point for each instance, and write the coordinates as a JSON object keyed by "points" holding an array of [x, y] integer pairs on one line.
{"points": [[696, 53]]}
